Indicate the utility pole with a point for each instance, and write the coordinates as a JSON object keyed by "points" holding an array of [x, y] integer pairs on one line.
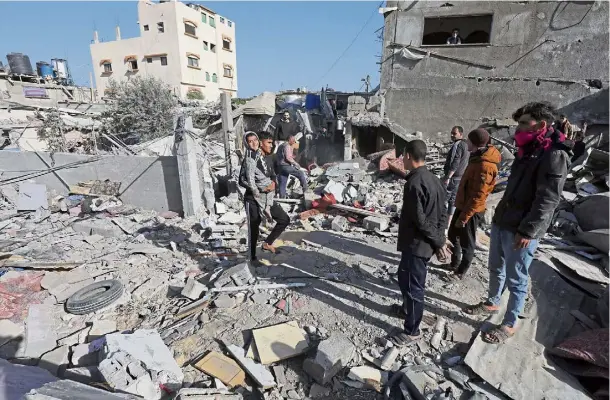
{"points": [[367, 82]]}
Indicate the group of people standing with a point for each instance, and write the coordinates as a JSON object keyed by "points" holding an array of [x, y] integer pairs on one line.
{"points": [[522, 217]]}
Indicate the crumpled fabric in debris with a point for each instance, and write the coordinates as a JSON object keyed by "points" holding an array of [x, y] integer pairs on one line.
{"points": [[16, 295]]}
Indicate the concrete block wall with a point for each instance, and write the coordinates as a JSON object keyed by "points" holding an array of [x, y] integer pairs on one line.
{"points": [[147, 182], [538, 51]]}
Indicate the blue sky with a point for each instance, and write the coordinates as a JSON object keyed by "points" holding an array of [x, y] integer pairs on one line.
{"points": [[280, 44]]}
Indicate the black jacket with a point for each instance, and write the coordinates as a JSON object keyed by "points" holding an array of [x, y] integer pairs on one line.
{"points": [[285, 129], [423, 217], [457, 159], [533, 191]]}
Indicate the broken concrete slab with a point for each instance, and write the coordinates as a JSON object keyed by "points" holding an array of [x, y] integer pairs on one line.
{"points": [[240, 274], [84, 355], [336, 189], [101, 227], [40, 330], [223, 368], [279, 342], [339, 223], [318, 391], [17, 380], [371, 377], [231, 217], [146, 346], [259, 373], [53, 360], [224, 301], [32, 196], [331, 356], [207, 394], [193, 289], [70, 390], [9, 331], [100, 328], [86, 375], [375, 223]]}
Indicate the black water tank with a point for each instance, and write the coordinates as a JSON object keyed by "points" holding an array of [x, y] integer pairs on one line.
{"points": [[20, 64]]}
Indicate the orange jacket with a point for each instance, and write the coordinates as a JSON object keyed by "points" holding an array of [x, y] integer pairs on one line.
{"points": [[477, 183]]}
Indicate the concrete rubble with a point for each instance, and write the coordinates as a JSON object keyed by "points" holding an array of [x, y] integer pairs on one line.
{"points": [[196, 320]]}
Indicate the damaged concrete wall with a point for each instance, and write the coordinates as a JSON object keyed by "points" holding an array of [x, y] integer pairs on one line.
{"points": [[148, 182], [13, 91], [537, 51]]}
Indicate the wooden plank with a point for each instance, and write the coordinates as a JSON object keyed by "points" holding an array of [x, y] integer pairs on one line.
{"points": [[355, 210], [222, 367], [279, 342]]}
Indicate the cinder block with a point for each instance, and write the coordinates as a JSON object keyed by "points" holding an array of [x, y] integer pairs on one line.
{"points": [[375, 223], [331, 356]]}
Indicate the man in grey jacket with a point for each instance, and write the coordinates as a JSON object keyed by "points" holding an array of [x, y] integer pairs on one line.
{"points": [[455, 165], [524, 214]]}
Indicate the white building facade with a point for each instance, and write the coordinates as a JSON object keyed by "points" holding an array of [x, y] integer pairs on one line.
{"points": [[188, 46]]}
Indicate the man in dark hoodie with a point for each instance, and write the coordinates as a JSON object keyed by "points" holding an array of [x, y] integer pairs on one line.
{"points": [[455, 165], [258, 167], [524, 214], [421, 233], [477, 183]]}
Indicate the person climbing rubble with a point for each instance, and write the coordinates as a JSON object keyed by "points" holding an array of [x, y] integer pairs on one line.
{"points": [[477, 183], [524, 214], [455, 165], [258, 177], [421, 234], [288, 166]]}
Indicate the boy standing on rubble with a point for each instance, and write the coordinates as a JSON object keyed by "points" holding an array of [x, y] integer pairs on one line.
{"points": [[455, 164], [524, 214], [421, 233], [477, 183]]}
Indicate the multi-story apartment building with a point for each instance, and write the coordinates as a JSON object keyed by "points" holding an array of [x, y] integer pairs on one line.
{"points": [[188, 46]]}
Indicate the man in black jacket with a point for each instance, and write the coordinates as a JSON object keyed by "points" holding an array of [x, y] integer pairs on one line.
{"points": [[421, 233], [455, 165], [524, 214]]}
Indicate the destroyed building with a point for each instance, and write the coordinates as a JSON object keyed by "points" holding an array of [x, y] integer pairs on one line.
{"points": [[188, 46], [510, 53]]}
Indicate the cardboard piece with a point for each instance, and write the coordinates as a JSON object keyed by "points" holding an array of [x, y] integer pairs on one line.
{"points": [[279, 342], [223, 368]]}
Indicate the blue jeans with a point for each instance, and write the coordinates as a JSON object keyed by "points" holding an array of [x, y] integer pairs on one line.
{"points": [[412, 273], [509, 267], [285, 171]]}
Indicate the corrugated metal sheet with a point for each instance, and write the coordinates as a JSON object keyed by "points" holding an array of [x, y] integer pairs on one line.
{"points": [[519, 368]]}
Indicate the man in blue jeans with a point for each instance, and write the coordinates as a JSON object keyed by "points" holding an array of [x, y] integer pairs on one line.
{"points": [[421, 233], [288, 166], [524, 214]]}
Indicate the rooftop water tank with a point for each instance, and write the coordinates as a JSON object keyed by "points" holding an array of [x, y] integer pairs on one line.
{"points": [[20, 64], [44, 69]]}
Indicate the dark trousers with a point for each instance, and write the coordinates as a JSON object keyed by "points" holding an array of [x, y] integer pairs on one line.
{"points": [[452, 188], [254, 218], [285, 171], [412, 273], [464, 242]]}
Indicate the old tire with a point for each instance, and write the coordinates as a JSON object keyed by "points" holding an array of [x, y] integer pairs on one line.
{"points": [[94, 297]]}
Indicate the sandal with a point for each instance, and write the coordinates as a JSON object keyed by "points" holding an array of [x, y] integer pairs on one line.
{"points": [[267, 248], [498, 334], [482, 309], [402, 339]]}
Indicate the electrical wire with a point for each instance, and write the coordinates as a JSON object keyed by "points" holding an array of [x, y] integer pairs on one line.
{"points": [[334, 64]]}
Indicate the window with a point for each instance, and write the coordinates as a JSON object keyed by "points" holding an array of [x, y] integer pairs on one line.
{"points": [[146, 28], [214, 78], [205, 45], [193, 62], [133, 65], [204, 18], [149, 60], [471, 29], [228, 71], [212, 22], [163, 60], [230, 23], [226, 44], [222, 20], [107, 67], [190, 29], [207, 76], [160, 27], [212, 47]]}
